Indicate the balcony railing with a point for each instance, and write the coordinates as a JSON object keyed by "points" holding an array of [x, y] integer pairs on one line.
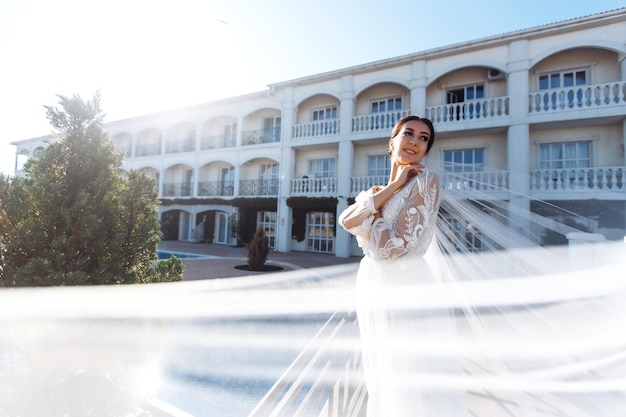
{"points": [[318, 128], [378, 121], [314, 186], [258, 187], [484, 181], [611, 179], [473, 110], [176, 189], [182, 145], [325, 380], [216, 188], [259, 136], [148, 150], [358, 184], [578, 97], [217, 142]]}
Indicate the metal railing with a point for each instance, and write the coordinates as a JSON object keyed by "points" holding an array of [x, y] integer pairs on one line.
{"points": [[148, 149], [177, 189], [181, 145], [325, 380], [577, 97], [258, 187], [216, 188], [218, 141], [259, 136]]}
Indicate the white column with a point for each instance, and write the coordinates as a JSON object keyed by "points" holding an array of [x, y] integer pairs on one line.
{"points": [[239, 135], [518, 136], [344, 171], [418, 84], [285, 173]]}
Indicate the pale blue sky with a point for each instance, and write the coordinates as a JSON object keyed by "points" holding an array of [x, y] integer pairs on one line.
{"points": [[152, 55]]}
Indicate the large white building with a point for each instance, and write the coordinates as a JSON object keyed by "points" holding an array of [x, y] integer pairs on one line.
{"points": [[538, 112]]}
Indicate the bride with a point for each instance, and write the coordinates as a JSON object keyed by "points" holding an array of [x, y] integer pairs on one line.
{"points": [[393, 224], [447, 334]]}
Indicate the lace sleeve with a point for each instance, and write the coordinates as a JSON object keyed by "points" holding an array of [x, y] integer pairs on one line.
{"points": [[408, 221], [363, 213]]}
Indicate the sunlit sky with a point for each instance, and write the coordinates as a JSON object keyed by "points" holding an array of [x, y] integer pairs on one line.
{"points": [[150, 55]]}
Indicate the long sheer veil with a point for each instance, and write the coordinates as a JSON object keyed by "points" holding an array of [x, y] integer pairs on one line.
{"points": [[513, 329], [523, 329]]}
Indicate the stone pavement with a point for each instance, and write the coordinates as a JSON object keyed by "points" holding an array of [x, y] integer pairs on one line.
{"points": [[221, 260]]}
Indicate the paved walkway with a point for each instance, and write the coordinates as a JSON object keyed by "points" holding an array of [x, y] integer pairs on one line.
{"points": [[221, 260]]}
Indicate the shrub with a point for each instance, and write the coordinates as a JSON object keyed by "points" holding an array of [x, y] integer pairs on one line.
{"points": [[257, 251]]}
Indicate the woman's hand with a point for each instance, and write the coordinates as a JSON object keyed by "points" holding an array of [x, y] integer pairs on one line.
{"points": [[405, 173]]}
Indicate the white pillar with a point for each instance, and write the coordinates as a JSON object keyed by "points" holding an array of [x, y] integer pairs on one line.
{"points": [[285, 173], [418, 84], [344, 171], [518, 136]]}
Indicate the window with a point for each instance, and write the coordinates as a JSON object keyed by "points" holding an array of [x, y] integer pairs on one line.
{"points": [[464, 160], [322, 168], [564, 155], [378, 166], [266, 220], [227, 184], [271, 129], [463, 94], [320, 232], [325, 114], [269, 179], [569, 98], [385, 105], [230, 134], [562, 79], [324, 122]]}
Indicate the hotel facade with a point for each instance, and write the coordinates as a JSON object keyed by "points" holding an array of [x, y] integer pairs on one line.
{"points": [[535, 117]]}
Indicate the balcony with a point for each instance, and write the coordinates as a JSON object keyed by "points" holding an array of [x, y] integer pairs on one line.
{"points": [[492, 183], [216, 188], [555, 182], [577, 98], [183, 145], [217, 142], [314, 186], [177, 189], [315, 129], [377, 122], [258, 187], [148, 149], [358, 184], [473, 110], [260, 136]]}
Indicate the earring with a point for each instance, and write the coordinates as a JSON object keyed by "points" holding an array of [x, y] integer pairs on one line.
{"points": [[389, 150]]}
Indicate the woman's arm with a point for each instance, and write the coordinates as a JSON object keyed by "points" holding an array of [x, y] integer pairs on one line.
{"points": [[355, 215], [415, 222]]}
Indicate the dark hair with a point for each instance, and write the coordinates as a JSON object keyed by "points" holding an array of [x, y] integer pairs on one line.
{"points": [[405, 120]]}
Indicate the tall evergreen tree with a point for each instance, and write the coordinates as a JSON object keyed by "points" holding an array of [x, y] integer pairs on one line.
{"points": [[72, 219]]}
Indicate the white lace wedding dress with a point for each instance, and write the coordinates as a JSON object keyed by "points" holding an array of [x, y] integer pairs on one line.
{"points": [[401, 373]]}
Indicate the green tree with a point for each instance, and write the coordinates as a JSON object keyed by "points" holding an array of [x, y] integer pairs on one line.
{"points": [[72, 219]]}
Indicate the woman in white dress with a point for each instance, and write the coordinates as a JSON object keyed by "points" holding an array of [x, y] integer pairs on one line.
{"points": [[395, 225]]}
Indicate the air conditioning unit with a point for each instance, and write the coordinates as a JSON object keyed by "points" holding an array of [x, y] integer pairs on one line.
{"points": [[494, 74]]}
